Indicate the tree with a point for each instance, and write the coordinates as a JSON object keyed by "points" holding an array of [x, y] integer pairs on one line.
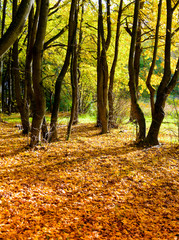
{"points": [[148, 81], [102, 66], [138, 114], [112, 122], [167, 83], [21, 101], [39, 96], [78, 59], [1, 61], [74, 81], [58, 84], [16, 26]]}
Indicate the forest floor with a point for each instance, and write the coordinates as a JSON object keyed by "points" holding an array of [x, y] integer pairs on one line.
{"points": [[90, 187]]}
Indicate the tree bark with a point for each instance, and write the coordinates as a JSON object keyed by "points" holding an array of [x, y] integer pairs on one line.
{"points": [[39, 96], [102, 67], [166, 86], [148, 82], [138, 114], [32, 31], [58, 85], [137, 54], [159, 114], [74, 84], [79, 48], [21, 102], [10, 85], [112, 121], [1, 60], [16, 26]]}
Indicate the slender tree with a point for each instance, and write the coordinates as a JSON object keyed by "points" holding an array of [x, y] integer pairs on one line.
{"points": [[137, 55], [74, 83], [31, 37], [112, 122], [148, 82], [39, 96], [16, 26], [102, 66], [138, 114], [1, 60], [59, 81], [79, 60], [20, 100]]}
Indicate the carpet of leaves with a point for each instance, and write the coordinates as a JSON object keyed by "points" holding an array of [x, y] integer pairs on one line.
{"points": [[90, 187]]}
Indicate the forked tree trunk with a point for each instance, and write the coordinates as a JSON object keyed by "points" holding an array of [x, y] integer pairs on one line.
{"points": [[158, 116], [167, 84], [39, 96]]}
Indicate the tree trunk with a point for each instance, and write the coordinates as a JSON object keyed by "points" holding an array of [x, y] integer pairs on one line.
{"points": [[148, 82], [167, 84], [112, 121], [1, 60], [16, 26], [39, 96], [32, 31], [21, 102], [44, 129], [74, 84], [102, 68], [158, 116], [137, 55], [138, 114], [77, 108], [58, 85]]}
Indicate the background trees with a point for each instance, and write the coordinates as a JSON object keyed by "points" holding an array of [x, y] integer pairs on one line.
{"points": [[35, 84]]}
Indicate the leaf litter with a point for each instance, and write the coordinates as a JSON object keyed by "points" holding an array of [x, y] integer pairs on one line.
{"points": [[90, 187]]}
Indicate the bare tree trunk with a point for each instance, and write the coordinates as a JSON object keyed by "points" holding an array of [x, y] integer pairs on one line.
{"points": [[74, 84], [138, 114], [112, 121], [44, 129], [16, 26], [39, 96], [21, 102], [1, 60], [148, 82], [58, 85], [77, 108], [32, 31], [102, 67], [137, 55], [10, 85], [167, 84]]}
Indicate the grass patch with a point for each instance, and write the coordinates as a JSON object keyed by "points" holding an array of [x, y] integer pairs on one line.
{"points": [[168, 131]]}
